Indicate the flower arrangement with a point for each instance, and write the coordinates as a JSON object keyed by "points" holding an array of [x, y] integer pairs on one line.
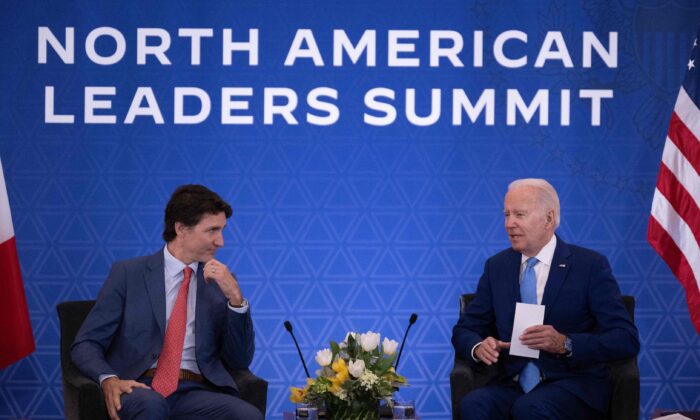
{"points": [[355, 376]]}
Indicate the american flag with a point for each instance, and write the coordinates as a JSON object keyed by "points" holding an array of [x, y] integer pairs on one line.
{"points": [[674, 225]]}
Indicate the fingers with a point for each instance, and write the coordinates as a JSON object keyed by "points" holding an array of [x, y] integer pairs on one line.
{"points": [[113, 389], [541, 337], [214, 266], [215, 270], [504, 344], [137, 384], [537, 329], [486, 356], [112, 402], [538, 332], [489, 349], [117, 399], [110, 388], [111, 410], [227, 282]]}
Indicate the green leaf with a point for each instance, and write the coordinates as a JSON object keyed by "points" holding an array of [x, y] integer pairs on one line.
{"points": [[335, 348], [391, 358], [365, 358], [384, 364]]}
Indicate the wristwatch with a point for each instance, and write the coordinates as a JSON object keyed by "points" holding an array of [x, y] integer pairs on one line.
{"points": [[568, 347]]}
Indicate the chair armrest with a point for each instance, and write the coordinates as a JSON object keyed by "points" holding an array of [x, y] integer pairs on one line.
{"points": [[461, 383], [626, 394], [88, 395], [462, 375], [464, 378], [252, 388]]}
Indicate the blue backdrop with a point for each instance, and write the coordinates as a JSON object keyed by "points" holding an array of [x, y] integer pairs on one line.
{"points": [[366, 185]]}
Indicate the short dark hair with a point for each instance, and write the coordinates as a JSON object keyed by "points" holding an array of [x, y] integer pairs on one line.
{"points": [[188, 204]]}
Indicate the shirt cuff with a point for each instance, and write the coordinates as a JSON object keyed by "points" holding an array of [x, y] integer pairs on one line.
{"points": [[243, 308], [101, 378], [474, 348]]}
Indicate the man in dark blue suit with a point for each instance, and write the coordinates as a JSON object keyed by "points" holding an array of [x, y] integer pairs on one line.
{"points": [[585, 321], [157, 349]]}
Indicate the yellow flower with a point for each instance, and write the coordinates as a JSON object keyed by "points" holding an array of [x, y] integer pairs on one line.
{"points": [[393, 377], [341, 375], [297, 395], [341, 370]]}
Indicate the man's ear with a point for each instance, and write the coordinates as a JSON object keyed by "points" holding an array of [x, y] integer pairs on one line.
{"points": [[180, 228], [549, 218]]}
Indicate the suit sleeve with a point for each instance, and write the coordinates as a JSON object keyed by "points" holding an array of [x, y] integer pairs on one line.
{"points": [[615, 336], [96, 333], [239, 340], [477, 322]]}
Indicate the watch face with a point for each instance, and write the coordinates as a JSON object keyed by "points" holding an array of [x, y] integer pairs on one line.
{"points": [[567, 345]]}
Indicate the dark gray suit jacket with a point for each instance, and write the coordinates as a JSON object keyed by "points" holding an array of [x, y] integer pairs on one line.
{"points": [[123, 334]]}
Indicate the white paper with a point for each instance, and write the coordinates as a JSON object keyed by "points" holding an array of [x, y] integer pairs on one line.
{"points": [[674, 416], [526, 315]]}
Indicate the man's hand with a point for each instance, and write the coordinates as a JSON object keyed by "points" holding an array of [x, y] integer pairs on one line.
{"points": [[113, 388], [215, 270], [489, 349], [544, 337]]}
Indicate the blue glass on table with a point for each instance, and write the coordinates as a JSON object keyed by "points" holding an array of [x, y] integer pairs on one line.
{"points": [[306, 411], [404, 409]]}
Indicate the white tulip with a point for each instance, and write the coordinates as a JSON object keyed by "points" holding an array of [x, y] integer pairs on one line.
{"points": [[356, 367], [389, 346], [324, 357], [369, 340]]}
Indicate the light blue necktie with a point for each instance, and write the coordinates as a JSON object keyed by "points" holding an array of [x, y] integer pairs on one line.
{"points": [[530, 375]]}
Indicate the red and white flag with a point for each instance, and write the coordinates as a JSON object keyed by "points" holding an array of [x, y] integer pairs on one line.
{"points": [[15, 328], [674, 225]]}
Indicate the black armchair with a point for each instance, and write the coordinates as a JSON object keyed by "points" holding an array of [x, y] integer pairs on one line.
{"points": [[624, 404], [83, 397]]}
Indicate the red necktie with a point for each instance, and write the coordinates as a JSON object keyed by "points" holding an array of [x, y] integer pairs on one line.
{"points": [[168, 368]]}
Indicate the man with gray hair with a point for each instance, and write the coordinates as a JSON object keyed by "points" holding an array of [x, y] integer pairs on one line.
{"points": [[585, 322]]}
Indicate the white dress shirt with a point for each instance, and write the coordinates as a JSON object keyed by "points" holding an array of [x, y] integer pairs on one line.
{"points": [[542, 267]]}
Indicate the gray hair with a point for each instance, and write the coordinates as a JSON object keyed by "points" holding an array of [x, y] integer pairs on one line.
{"points": [[546, 195]]}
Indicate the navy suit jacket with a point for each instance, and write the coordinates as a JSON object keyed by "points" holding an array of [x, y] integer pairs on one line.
{"points": [[123, 334], [582, 300]]}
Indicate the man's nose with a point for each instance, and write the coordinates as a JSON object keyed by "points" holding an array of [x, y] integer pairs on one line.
{"points": [[219, 241]]}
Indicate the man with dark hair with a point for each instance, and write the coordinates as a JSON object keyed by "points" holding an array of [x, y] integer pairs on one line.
{"points": [[585, 322], [164, 325], [188, 204]]}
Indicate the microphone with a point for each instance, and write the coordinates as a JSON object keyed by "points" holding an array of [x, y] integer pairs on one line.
{"points": [[411, 321], [288, 327]]}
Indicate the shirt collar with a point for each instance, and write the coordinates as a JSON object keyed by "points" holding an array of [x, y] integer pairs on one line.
{"points": [[173, 266], [546, 254]]}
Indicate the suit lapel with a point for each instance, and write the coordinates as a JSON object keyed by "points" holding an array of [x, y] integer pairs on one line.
{"points": [[557, 272], [154, 278], [512, 269], [201, 307]]}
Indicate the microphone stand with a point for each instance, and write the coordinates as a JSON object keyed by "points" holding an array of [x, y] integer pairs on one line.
{"points": [[288, 326], [411, 321]]}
